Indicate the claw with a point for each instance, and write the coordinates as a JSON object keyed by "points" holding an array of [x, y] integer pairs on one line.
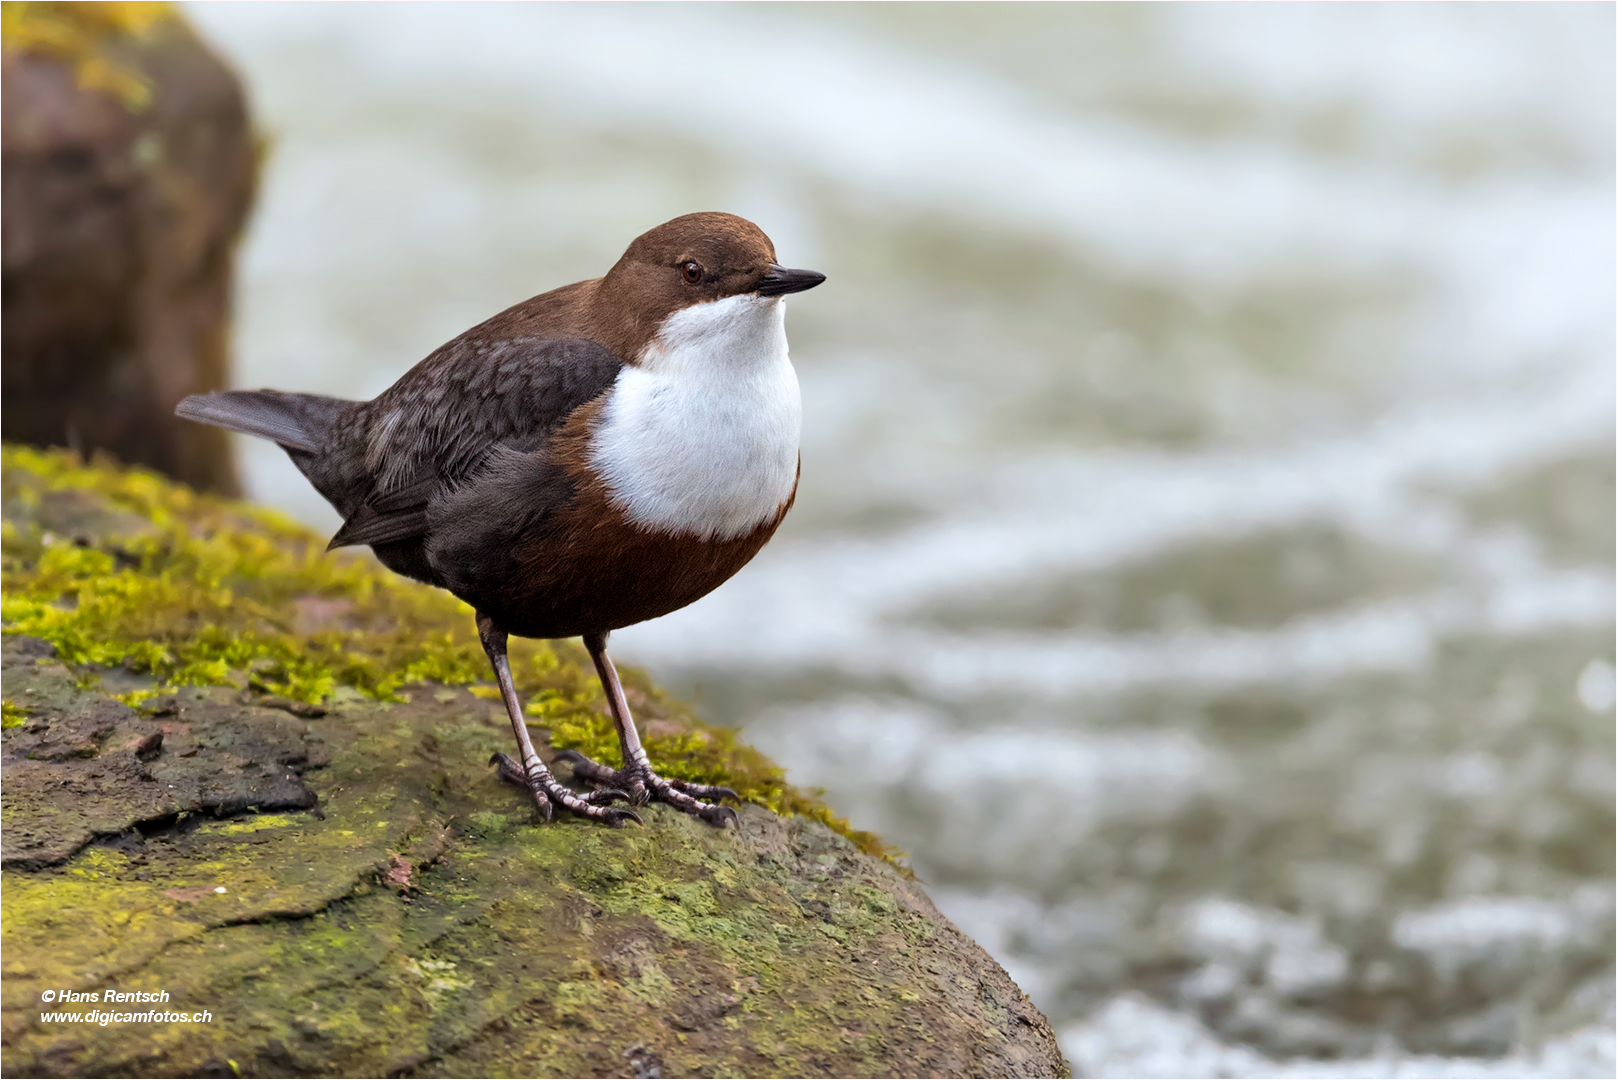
{"points": [[644, 785], [616, 817], [718, 815], [510, 771]]}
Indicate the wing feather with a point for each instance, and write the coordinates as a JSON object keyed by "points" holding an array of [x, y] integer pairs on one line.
{"points": [[437, 426]]}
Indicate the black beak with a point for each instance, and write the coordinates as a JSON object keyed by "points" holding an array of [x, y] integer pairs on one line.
{"points": [[779, 281]]}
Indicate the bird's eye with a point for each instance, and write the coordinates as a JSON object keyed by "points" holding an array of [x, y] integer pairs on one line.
{"points": [[692, 271]]}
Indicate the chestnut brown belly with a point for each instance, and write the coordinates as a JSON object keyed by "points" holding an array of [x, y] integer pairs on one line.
{"points": [[593, 571]]}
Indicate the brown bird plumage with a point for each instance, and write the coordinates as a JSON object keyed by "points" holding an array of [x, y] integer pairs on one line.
{"points": [[602, 454]]}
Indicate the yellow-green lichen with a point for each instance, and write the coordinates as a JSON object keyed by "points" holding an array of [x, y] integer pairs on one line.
{"points": [[123, 568], [249, 825], [10, 715], [135, 698], [80, 34]]}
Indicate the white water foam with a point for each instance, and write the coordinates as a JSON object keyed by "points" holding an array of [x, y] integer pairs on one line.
{"points": [[1132, 1036]]}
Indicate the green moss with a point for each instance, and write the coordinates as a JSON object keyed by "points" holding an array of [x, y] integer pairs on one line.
{"points": [[124, 568], [80, 34], [11, 716], [486, 823], [579, 1002], [200, 589]]}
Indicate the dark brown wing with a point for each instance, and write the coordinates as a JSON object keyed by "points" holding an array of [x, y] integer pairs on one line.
{"points": [[436, 427]]}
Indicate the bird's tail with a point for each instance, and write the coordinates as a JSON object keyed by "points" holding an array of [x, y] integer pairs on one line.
{"points": [[296, 421]]}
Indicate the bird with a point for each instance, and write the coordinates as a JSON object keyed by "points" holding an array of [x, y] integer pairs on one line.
{"points": [[598, 455]]}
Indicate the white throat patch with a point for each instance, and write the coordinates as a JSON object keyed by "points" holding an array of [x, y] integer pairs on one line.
{"points": [[702, 436]]}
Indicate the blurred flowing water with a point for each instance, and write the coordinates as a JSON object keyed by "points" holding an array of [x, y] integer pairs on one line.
{"points": [[1204, 558]]}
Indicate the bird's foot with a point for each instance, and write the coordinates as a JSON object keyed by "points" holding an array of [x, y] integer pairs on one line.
{"points": [[643, 785], [547, 793]]}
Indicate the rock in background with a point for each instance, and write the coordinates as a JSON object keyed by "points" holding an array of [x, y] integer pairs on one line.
{"points": [[129, 164]]}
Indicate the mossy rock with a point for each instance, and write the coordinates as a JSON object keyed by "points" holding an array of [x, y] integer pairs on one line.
{"points": [[130, 168], [318, 854]]}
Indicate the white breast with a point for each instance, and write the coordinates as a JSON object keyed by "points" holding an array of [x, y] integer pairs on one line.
{"points": [[702, 437]]}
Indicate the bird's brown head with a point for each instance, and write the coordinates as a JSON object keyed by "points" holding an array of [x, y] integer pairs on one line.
{"points": [[693, 259]]}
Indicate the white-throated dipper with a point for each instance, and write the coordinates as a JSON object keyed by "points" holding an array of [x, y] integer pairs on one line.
{"points": [[599, 455]]}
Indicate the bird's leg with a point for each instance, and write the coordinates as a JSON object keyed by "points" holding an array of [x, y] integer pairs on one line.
{"points": [[636, 776], [532, 773]]}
